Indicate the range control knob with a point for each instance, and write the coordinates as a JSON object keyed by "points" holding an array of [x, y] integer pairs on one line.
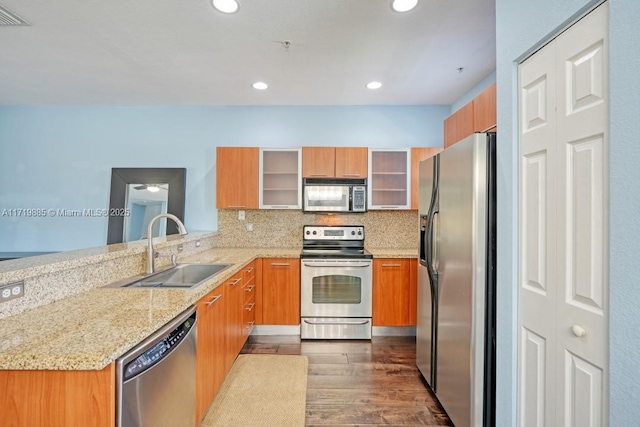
{"points": [[315, 232], [359, 232], [353, 233], [308, 232]]}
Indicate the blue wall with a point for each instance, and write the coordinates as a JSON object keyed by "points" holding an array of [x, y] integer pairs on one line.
{"points": [[473, 92], [61, 157], [521, 25]]}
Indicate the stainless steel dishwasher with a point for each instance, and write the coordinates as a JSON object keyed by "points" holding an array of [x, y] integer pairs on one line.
{"points": [[156, 380]]}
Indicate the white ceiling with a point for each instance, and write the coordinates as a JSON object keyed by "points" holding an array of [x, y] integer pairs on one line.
{"points": [[184, 52]]}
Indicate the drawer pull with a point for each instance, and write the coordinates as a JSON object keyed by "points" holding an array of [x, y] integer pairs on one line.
{"points": [[318, 174], [356, 175], [250, 288], [250, 306], [389, 207], [391, 265], [235, 282], [249, 325], [236, 207], [249, 270], [213, 300], [280, 264]]}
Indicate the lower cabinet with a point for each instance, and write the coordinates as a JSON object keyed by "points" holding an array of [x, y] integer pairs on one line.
{"points": [[235, 302], [281, 291], [394, 296], [211, 367]]}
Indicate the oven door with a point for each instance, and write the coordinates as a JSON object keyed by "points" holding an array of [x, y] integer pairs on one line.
{"points": [[336, 288], [326, 198]]}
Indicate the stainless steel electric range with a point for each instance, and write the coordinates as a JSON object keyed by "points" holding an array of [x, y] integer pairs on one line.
{"points": [[336, 283]]}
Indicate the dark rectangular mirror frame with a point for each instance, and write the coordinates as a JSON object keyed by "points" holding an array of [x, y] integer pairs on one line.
{"points": [[121, 177]]}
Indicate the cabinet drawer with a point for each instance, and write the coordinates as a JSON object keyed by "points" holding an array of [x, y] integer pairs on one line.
{"points": [[249, 290], [249, 272], [249, 315]]}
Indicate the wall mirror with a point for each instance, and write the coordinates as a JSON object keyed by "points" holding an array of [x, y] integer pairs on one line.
{"points": [[139, 194]]}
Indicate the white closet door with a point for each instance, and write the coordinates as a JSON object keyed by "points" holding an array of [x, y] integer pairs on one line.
{"points": [[582, 180], [537, 280], [563, 258]]}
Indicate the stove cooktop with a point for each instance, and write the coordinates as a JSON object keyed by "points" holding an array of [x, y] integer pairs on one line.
{"points": [[333, 241]]}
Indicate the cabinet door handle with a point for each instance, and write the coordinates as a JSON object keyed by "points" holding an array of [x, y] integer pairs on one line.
{"points": [[280, 264], [318, 174], [279, 206], [249, 325], [213, 300], [235, 207], [356, 175], [389, 207], [392, 265], [250, 288], [249, 270], [235, 282], [250, 306]]}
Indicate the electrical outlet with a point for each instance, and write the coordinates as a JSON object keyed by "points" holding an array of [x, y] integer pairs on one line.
{"points": [[198, 243], [11, 291], [249, 226], [180, 247], [241, 215]]}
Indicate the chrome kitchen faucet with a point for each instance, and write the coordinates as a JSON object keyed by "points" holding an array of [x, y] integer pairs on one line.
{"points": [[150, 251]]}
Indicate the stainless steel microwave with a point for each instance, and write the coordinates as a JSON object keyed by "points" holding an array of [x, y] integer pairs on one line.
{"points": [[334, 195]]}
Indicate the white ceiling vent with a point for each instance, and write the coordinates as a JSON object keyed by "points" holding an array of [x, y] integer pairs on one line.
{"points": [[8, 18]]}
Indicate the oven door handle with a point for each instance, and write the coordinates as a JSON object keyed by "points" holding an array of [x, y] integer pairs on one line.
{"points": [[336, 264], [360, 322]]}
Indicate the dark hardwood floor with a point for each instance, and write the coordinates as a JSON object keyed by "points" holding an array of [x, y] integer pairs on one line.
{"points": [[358, 383]]}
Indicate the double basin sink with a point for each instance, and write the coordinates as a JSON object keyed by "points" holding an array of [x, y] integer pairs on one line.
{"points": [[182, 276]]}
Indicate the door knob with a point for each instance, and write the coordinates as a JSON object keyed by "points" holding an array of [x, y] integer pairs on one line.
{"points": [[578, 331]]}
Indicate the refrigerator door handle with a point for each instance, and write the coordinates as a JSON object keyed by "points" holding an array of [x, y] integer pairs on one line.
{"points": [[435, 238]]}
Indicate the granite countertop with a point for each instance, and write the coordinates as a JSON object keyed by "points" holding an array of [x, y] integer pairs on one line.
{"points": [[92, 329]]}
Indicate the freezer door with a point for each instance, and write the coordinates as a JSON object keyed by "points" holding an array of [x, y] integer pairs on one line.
{"points": [[462, 269], [424, 340]]}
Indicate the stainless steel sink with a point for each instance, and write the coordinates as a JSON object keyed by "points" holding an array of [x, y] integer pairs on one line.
{"points": [[183, 276]]}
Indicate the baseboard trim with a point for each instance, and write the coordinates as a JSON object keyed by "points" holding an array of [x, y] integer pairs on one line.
{"points": [[276, 330], [393, 331]]}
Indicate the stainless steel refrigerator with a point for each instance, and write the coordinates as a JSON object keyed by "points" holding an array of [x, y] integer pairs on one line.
{"points": [[456, 279]]}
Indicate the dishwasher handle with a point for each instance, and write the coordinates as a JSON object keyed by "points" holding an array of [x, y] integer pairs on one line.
{"points": [[158, 346]]}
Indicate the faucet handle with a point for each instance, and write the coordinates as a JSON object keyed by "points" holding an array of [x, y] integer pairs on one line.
{"points": [[174, 257]]}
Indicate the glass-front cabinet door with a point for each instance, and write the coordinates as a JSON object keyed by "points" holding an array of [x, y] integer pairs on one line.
{"points": [[280, 178], [389, 178]]}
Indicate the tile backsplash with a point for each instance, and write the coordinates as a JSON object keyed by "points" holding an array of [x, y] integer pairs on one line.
{"points": [[283, 228]]}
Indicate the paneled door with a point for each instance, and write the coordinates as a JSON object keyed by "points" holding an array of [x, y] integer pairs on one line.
{"points": [[563, 325]]}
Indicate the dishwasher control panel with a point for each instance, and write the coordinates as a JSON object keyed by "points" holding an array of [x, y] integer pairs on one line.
{"points": [[156, 353]]}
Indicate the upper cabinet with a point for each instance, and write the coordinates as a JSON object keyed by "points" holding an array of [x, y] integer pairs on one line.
{"points": [[479, 115], [484, 110], [334, 162], [280, 178], [237, 177], [459, 125], [389, 179]]}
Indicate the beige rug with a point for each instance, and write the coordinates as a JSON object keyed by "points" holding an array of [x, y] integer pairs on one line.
{"points": [[261, 390]]}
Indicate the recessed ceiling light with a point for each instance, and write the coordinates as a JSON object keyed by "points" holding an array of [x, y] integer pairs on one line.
{"points": [[226, 6], [153, 188], [374, 85], [260, 85], [403, 5]]}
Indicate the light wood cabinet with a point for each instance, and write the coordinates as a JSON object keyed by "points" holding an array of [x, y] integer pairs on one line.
{"points": [[58, 398], [334, 162], [479, 115], [484, 110], [389, 179], [392, 292], [280, 184], [237, 177], [318, 162], [233, 332], [413, 292], [459, 125], [211, 366], [352, 162], [249, 307], [419, 154], [281, 291]]}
